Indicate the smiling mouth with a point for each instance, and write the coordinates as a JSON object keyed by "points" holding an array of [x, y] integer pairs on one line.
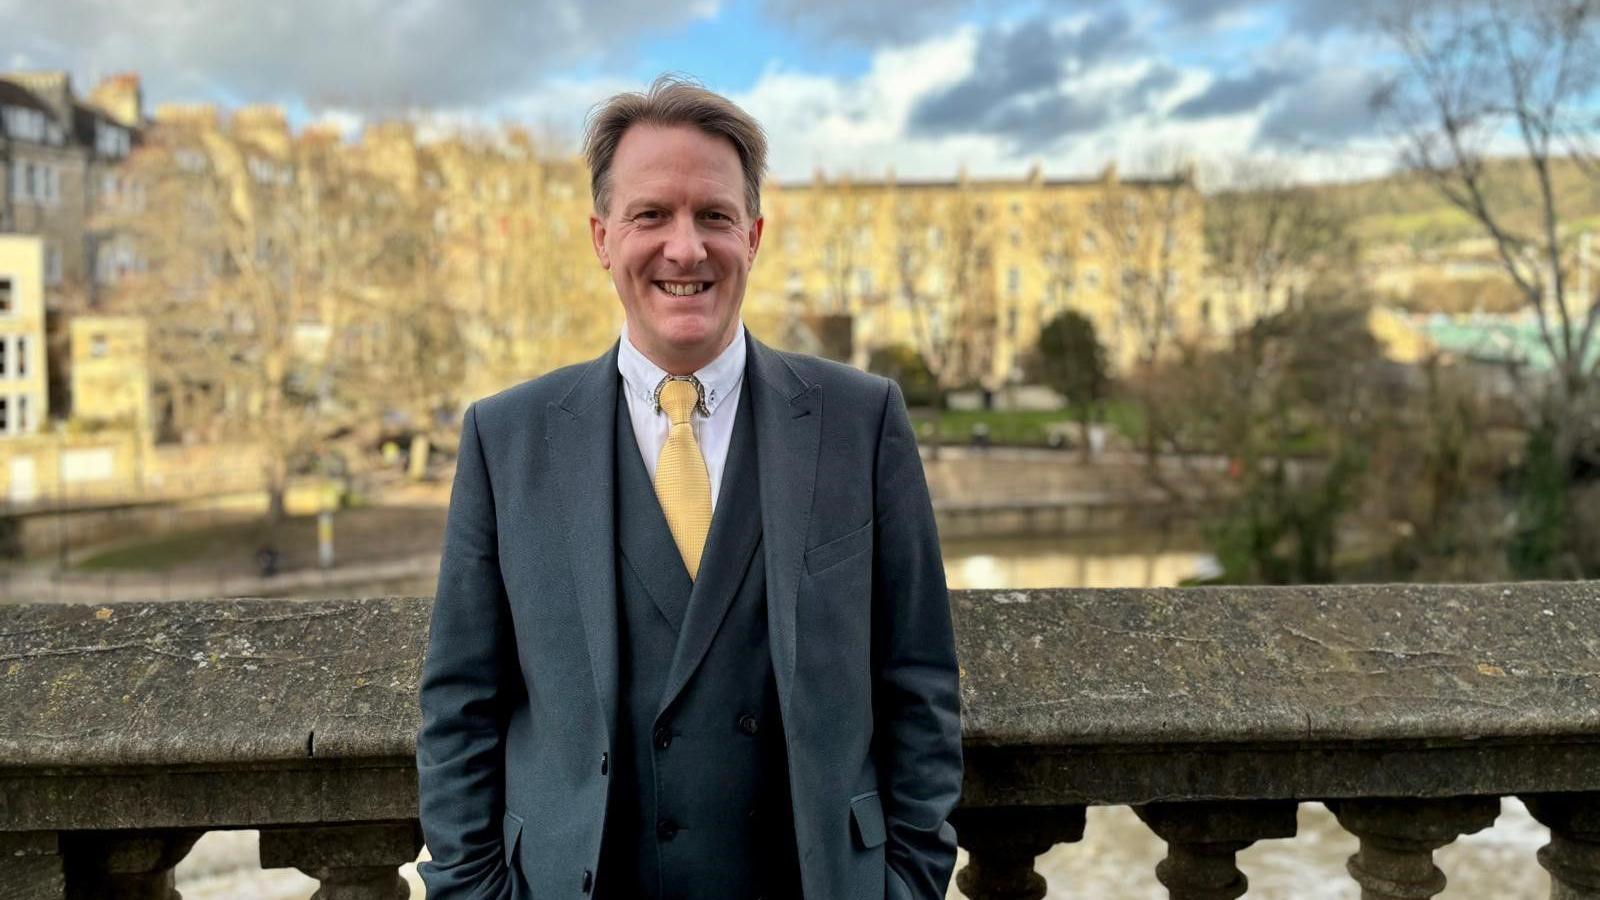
{"points": [[683, 289]]}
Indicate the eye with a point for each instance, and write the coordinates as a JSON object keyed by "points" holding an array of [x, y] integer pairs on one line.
{"points": [[648, 215]]}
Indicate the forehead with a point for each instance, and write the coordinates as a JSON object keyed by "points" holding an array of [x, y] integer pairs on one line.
{"points": [[677, 158]]}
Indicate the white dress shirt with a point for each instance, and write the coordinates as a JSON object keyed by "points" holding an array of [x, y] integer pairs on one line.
{"points": [[722, 378]]}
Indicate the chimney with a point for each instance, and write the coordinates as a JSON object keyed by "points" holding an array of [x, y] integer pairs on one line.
{"points": [[265, 125], [121, 98]]}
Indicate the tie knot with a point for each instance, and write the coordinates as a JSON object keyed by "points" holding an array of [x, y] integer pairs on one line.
{"points": [[678, 398]]}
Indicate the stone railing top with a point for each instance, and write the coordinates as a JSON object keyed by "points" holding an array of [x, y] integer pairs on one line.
{"points": [[229, 682], [1257, 665], [210, 681]]}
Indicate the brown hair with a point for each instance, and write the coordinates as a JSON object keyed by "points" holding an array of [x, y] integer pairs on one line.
{"points": [[673, 100]]}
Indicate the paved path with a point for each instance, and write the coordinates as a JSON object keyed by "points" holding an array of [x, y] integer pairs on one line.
{"points": [[43, 583]]}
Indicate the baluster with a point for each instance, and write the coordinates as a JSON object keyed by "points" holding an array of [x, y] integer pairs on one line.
{"points": [[1573, 855], [1001, 845], [1398, 837], [124, 865], [349, 862], [1203, 838], [31, 861]]}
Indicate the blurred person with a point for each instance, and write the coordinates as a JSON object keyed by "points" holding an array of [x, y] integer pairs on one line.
{"points": [[691, 637]]}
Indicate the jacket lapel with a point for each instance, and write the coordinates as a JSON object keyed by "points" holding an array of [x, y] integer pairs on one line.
{"points": [[581, 441], [735, 531], [788, 420]]}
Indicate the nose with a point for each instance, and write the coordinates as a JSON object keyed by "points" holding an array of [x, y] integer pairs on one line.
{"points": [[685, 248]]}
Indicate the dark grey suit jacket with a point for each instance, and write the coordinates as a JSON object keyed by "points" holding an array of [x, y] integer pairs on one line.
{"points": [[519, 687]]}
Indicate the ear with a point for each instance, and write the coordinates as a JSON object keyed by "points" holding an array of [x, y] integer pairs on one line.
{"points": [[756, 228], [597, 234]]}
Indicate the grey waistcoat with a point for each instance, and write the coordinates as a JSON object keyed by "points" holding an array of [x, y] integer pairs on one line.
{"points": [[699, 801]]}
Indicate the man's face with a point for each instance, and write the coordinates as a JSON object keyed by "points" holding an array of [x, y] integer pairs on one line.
{"points": [[678, 242]]}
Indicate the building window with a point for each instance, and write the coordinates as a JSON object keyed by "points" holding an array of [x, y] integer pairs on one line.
{"points": [[1091, 241], [1016, 238], [5, 295], [4, 362], [1011, 323], [97, 346], [864, 282], [1013, 281], [22, 414], [52, 265], [5, 415], [22, 356]]}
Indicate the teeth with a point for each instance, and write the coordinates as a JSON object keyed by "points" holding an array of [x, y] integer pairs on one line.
{"points": [[682, 290]]}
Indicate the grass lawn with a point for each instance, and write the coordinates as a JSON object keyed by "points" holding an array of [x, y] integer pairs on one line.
{"points": [[362, 534], [1025, 428]]}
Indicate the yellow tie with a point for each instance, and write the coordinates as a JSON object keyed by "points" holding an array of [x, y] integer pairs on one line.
{"points": [[682, 485]]}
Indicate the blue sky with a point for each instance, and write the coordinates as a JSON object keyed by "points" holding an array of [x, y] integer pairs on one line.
{"points": [[923, 86]]}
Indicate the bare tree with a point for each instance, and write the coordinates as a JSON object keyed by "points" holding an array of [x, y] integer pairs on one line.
{"points": [[1141, 225], [944, 275], [264, 260], [1494, 105]]}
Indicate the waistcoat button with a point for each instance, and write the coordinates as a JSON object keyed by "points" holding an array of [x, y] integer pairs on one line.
{"points": [[605, 763], [748, 724], [588, 880], [663, 738], [667, 830]]}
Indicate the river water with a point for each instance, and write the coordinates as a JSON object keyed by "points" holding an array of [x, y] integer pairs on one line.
{"points": [[1116, 859]]}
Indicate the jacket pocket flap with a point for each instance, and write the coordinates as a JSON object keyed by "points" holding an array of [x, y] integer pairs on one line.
{"points": [[839, 549], [867, 810], [511, 831]]}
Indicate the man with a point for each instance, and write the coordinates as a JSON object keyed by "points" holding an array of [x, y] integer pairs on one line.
{"points": [[691, 637]]}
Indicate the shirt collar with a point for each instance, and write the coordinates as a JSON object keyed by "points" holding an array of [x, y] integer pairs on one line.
{"points": [[719, 377]]}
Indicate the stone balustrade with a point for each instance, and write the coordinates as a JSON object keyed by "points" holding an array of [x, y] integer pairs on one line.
{"points": [[127, 731]]}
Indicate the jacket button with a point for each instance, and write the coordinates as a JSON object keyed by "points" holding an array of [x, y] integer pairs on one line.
{"points": [[588, 880], [748, 724], [667, 829], [663, 738], [605, 763]]}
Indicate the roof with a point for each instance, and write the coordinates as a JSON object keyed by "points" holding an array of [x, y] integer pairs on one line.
{"points": [[13, 94], [1496, 339]]}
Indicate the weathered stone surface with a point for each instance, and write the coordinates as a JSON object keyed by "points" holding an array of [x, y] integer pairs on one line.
{"points": [[31, 861], [242, 796], [209, 681], [1058, 668]]}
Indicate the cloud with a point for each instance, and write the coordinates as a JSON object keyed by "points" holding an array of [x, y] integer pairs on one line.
{"points": [[1037, 81], [867, 22], [365, 55], [1306, 16], [1330, 105], [1228, 96]]}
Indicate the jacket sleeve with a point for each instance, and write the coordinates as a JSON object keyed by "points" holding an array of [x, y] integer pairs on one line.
{"points": [[917, 705], [467, 675]]}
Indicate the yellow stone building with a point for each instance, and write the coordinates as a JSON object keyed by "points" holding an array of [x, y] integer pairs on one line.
{"points": [[967, 271], [111, 372], [24, 397]]}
